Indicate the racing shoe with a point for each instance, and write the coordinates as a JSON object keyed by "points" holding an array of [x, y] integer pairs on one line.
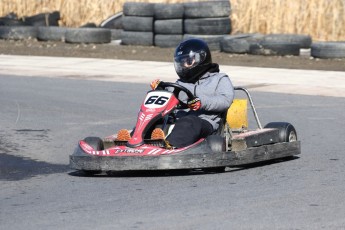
{"points": [[157, 134], [123, 135]]}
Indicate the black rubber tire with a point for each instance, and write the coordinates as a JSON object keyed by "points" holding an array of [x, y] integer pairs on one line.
{"points": [[18, 32], [51, 33], [235, 44], [88, 35], [113, 22], [208, 9], [141, 9], [133, 23], [95, 142], [213, 41], [4, 21], [116, 34], [287, 132], [239, 43], [171, 40], [89, 25], [328, 49], [207, 26], [216, 143], [304, 41], [44, 19], [137, 38], [168, 11], [270, 48], [171, 26]]}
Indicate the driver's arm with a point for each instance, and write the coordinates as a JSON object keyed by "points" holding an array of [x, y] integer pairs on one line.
{"points": [[215, 95]]}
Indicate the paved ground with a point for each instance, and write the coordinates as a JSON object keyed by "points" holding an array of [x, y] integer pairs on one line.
{"points": [[292, 81]]}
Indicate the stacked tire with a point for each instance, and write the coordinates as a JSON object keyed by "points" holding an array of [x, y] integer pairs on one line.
{"points": [[168, 24], [268, 45], [114, 23], [281, 44], [137, 23], [13, 28], [328, 49], [209, 21]]}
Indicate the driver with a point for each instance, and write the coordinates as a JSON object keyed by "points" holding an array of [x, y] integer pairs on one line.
{"points": [[213, 93]]}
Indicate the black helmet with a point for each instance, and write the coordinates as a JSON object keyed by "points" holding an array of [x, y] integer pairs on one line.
{"points": [[192, 59]]}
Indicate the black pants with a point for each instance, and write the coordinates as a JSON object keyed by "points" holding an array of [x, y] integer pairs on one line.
{"points": [[188, 130]]}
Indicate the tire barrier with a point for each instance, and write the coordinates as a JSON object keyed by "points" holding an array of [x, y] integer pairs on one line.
{"points": [[268, 45], [239, 44], [137, 23], [18, 32], [44, 19], [213, 41], [88, 35], [51, 33], [209, 9], [304, 41], [208, 20], [168, 11], [207, 26], [276, 48], [4, 21], [137, 38], [165, 25], [328, 49], [113, 22], [168, 25], [168, 40]]}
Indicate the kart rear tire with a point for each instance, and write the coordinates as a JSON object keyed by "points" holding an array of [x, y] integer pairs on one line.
{"points": [[95, 142], [287, 133]]}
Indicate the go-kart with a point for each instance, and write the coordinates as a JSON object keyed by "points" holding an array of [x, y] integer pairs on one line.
{"points": [[232, 145]]}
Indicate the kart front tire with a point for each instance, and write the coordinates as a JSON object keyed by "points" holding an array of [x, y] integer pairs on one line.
{"points": [[287, 132]]}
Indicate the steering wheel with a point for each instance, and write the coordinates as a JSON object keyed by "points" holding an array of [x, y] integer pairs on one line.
{"points": [[177, 89]]}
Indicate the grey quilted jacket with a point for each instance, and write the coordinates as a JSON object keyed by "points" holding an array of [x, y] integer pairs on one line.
{"points": [[216, 94]]}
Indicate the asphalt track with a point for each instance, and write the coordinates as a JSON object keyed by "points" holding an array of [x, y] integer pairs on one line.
{"points": [[47, 104]]}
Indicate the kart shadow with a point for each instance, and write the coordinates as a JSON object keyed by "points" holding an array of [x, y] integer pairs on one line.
{"points": [[180, 172]]}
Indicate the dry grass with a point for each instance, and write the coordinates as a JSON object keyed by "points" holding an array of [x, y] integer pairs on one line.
{"points": [[322, 19]]}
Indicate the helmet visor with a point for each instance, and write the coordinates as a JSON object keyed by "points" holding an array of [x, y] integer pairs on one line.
{"points": [[186, 62]]}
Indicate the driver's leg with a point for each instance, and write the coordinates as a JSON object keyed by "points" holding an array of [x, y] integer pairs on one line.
{"points": [[188, 130]]}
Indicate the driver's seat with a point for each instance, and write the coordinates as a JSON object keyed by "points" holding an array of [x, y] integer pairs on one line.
{"points": [[236, 116]]}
